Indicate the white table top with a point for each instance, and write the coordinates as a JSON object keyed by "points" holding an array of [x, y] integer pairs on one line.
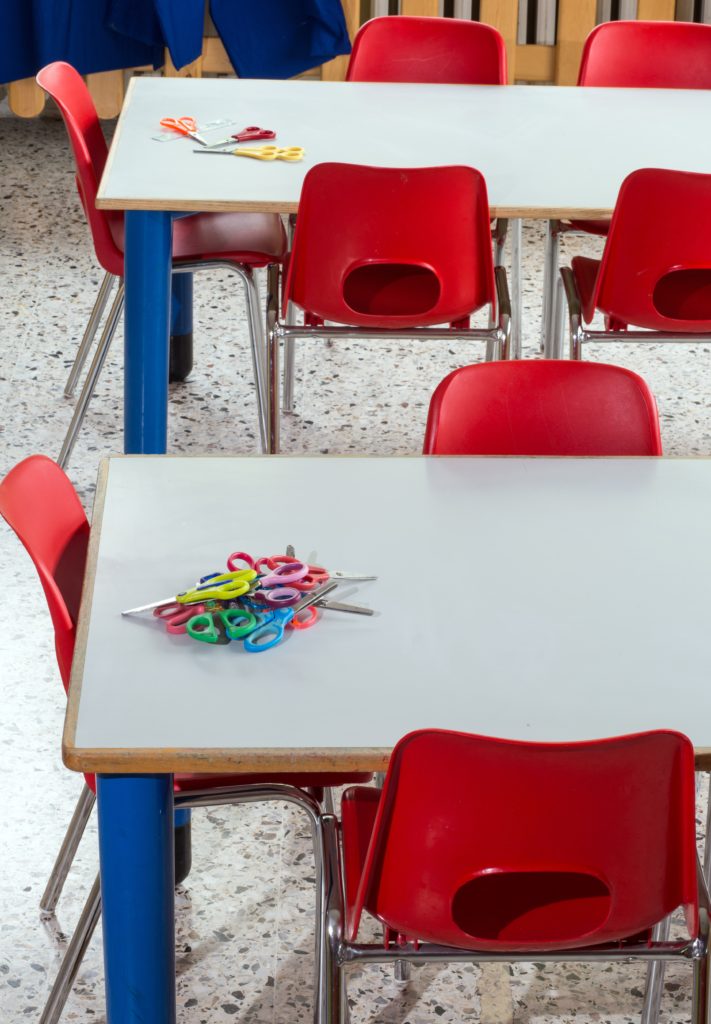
{"points": [[546, 599], [544, 152]]}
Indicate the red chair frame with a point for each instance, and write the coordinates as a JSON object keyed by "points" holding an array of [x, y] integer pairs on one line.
{"points": [[628, 54], [40, 505], [543, 407], [410, 249], [654, 273], [547, 878], [238, 242]]}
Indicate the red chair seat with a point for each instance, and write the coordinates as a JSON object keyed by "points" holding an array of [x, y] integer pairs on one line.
{"points": [[252, 238]]}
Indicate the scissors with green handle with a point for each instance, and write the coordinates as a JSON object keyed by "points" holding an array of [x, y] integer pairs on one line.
{"points": [[289, 153], [236, 623]]}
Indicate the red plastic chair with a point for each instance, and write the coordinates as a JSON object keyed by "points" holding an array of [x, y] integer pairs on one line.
{"points": [[238, 242], [40, 505], [655, 271], [437, 50], [497, 849], [635, 55], [425, 50], [542, 407], [409, 250]]}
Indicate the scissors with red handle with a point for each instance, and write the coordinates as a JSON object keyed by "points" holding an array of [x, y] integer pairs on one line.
{"points": [[184, 126], [248, 134]]}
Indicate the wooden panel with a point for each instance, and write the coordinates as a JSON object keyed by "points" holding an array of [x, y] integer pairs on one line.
{"points": [[107, 91], [214, 57], [423, 8], [503, 14], [656, 10], [576, 18], [193, 70], [335, 70], [535, 63], [25, 97]]}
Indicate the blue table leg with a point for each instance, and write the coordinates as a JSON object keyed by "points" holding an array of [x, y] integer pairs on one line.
{"points": [[147, 319], [181, 327], [136, 857]]}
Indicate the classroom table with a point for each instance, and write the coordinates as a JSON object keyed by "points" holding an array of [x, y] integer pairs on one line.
{"points": [[539, 599], [546, 153]]}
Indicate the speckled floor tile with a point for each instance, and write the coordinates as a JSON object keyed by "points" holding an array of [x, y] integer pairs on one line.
{"points": [[245, 915]]}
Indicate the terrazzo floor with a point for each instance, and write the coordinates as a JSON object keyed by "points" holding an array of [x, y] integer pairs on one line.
{"points": [[244, 915]]}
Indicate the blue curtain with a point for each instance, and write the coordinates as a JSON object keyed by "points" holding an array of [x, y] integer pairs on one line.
{"points": [[263, 38], [35, 32]]}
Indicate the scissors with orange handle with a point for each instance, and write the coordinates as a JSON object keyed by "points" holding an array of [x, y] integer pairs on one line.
{"points": [[184, 126]]}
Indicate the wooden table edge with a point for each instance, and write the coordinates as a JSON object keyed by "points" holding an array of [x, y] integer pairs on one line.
{"points": [[126, 203], [214, 761], [77, 673], [217, 761]]}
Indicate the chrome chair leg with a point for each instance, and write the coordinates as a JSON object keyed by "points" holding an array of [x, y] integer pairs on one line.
{"points": [[516, 286], [256, 337], [67, 851], [403, 970], [273, 416], [89, 334], [73, 957], [500, 232], [92, 377], [289, 351], [655, 976], [551, 259], [330, 996]]}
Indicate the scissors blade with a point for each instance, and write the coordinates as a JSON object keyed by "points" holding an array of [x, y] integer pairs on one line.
{"points": [[340, 606], [149, 607], [337, 575], [198, 138]]}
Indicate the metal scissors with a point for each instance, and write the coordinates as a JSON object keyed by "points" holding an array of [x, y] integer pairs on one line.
{"points": [[184, 126], [175, 616], [289, 153], [235, 623], [322, 575], [249, 134], [270, 630], [226, 586], [334, 574]]}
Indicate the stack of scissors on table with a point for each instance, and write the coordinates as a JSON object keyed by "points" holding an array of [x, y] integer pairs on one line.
{"points": [[254, 601]]}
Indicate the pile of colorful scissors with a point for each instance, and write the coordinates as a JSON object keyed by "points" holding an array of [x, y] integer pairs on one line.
{"points": [[254, 601]]}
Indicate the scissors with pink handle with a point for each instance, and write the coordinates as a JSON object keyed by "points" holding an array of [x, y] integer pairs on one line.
{"points": [[184, 126]]}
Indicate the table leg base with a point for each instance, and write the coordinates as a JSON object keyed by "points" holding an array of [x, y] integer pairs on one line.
{"points": [[181, 357]]}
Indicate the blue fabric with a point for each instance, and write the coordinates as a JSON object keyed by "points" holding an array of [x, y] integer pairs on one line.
{"points": [[36, 32], [180, 24], [280, 38]]}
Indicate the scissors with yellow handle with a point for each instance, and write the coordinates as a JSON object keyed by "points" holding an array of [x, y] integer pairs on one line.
{"points": [[290, 153]]}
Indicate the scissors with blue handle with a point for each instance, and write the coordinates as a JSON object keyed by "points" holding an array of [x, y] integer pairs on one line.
{"points": [[270, 631]]}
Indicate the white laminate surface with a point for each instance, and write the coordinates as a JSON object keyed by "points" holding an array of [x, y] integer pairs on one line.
{"points": [[532, 143], [532, 598]]}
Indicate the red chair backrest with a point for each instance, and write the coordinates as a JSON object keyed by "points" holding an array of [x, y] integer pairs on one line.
{"points": [[647, 54], [542, 407], [437, 50], [69, 92], [391, 247], [656, 266], [494, 844], [39, 503]]}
